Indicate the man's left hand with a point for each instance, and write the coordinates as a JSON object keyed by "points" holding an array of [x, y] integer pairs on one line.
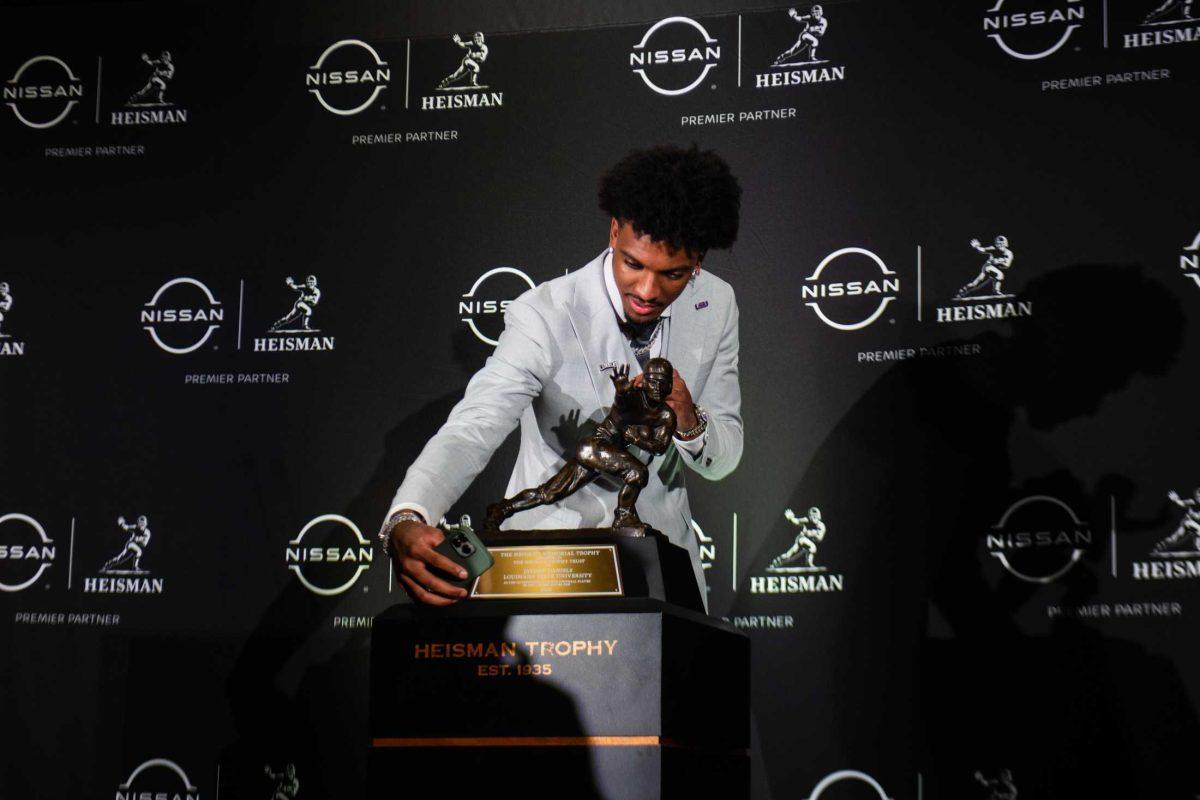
{"points": [[680, 401]]}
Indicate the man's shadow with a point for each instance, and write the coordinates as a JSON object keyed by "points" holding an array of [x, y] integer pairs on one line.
{"points": [[321, 726], [909, 482]]}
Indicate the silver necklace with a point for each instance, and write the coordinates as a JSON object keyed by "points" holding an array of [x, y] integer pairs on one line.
{"points": [[644, 350]]}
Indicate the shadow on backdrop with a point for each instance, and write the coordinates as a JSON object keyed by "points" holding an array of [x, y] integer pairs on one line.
{"points": [[922, 661]]}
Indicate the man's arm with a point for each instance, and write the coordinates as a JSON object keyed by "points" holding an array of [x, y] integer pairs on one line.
{"points": [[722, 399], [492, 405]]}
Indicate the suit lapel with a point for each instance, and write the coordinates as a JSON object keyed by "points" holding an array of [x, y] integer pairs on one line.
{"points": [[689, 335], [595, 327]]}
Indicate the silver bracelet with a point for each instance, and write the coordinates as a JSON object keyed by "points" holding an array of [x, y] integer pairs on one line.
{"points": [[699, 428], [403, 515]]}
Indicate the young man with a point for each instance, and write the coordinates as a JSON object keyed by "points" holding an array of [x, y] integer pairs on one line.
{"points": [[644, 297]]}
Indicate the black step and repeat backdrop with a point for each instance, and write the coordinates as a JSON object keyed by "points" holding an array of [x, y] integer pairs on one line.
{"points": [[252, 254]]}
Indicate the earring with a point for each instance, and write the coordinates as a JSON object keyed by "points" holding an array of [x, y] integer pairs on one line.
{"points": [[692, 280]]}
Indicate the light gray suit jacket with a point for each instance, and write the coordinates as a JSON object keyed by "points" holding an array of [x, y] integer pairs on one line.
{"points": [[547, 368]]}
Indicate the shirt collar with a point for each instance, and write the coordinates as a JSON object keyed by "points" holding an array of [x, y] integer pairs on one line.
{"points": [[614, 295]]}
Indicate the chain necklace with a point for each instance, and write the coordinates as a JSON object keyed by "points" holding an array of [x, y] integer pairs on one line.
{"points": [[642, 352]]}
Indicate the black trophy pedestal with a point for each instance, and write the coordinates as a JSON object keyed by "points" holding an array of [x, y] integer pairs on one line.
{"points": [[618, 698]]}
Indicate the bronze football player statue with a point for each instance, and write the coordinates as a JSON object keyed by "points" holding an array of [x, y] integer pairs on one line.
{"points": [[639, 416]]}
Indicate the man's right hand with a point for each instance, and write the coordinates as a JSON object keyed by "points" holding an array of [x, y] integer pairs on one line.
{"points": [[417, 564]]}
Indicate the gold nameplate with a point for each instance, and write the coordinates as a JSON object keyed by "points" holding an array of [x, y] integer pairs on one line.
{"points": [[551, 570]]}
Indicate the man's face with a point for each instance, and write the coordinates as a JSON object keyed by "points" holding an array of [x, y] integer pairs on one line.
{"points": [[649, 276], [657, 384], [311, 282]]}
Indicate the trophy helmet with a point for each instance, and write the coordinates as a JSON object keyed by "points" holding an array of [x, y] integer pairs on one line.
{"points": [[1001, 241]]}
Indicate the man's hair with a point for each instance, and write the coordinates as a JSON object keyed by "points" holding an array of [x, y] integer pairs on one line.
{"points": [[682, 197]]}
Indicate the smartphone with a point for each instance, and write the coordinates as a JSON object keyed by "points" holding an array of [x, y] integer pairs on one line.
{"points": [[462, 546]]}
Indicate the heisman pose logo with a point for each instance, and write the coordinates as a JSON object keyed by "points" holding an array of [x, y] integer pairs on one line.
{"points": [[6, 302], [1189, 261], [1169, 22], [129, 560], [799, 64], [462, 86], [799, 557], [804, 51], [984, 296], [472, 62], [999, 259], [287, 785], [124, 573], [1172, 12], [294, 330], [1184, 542], [302, 309], [999, 788], [796, 567], [162, 69], [8, 348]]}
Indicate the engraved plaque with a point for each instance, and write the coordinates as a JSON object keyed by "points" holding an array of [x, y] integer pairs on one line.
{"points": [[551, 570]]}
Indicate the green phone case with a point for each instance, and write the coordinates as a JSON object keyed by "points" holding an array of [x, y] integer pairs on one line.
{"points": [[462, 546]]}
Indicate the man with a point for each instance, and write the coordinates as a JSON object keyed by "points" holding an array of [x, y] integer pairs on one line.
{"points": [[302, 309], [135, 547], [477, 53], [815, 23], [6, 301], [161, 71], [999, 258], [644, 297]]}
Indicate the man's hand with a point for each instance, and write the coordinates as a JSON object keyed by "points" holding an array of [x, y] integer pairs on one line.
{"points": [[417, 564], [680, 401]]}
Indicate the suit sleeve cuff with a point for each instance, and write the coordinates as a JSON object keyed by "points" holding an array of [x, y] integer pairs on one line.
{"points": [[417, 507], [692, 447]]}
